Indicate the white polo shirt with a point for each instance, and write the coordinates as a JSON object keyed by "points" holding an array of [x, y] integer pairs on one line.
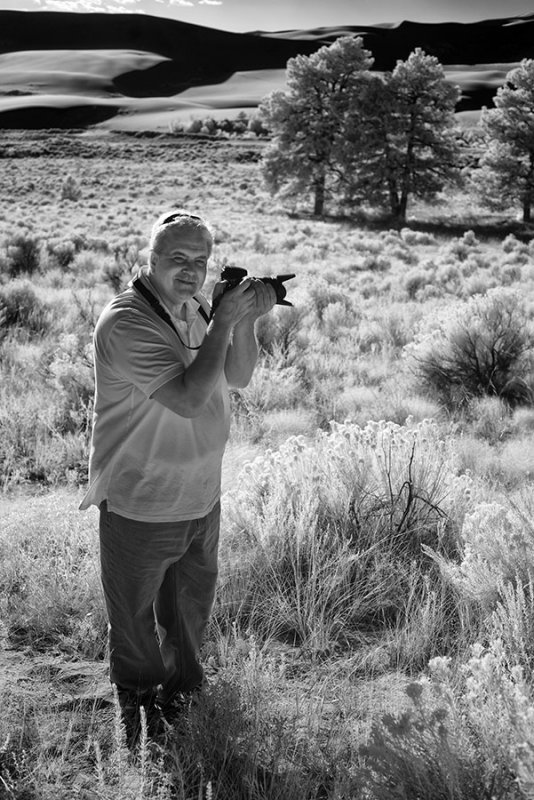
{"points": [[149, 463]]}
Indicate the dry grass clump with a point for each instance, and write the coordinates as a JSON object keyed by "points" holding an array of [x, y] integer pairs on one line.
{"points": [[50, 584]]}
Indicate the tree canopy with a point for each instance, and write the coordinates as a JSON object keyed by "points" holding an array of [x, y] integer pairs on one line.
{"points": [[343, 131], [506, 173], [308, 119]]}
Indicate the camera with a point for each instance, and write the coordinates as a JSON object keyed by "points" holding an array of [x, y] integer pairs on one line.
{"points": [[234, 275]]}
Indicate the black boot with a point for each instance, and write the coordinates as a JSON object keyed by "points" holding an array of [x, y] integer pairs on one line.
{"points": [[131, 703]]}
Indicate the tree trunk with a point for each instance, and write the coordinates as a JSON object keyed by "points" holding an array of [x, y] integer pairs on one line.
{"points": [[407, 172], [403, 207], [394, 203], [319, 188], [527, 197]]}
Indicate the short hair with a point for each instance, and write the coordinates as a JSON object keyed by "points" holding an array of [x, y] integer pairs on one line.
{"points": [[179, 218]]}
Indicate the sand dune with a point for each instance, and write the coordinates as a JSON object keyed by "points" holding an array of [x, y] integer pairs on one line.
{"points": [[88, 72], [143, 72]]}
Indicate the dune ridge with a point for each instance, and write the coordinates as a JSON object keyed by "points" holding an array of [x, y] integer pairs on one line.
{"points": [[112, 65]]}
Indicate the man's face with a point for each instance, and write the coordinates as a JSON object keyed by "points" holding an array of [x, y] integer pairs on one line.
{"points": [[178, 268]]}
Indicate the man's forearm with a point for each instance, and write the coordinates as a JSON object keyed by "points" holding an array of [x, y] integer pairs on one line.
{"points": [[242, 354], [203, 373], [187, 394]]}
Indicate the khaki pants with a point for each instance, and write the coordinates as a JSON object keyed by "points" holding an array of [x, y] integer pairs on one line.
{"points": [[158, 577]]}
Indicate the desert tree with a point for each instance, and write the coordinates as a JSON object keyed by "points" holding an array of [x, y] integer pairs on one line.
{"points": [[406, 119], [506, 169], [423, 150], [308, 120], [364, 153]]}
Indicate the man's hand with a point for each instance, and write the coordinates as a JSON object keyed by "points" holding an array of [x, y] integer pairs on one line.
{"points": [[250, 299], [243, 350], [265, 298]]}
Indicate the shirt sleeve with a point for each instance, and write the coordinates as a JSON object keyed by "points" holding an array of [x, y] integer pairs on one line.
{"points": [[139, 354]]}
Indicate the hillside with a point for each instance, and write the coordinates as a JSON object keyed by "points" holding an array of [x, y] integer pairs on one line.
{"points": [[139, 71]]}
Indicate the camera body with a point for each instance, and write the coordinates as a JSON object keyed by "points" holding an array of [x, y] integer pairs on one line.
{"points": [[234, 275]]}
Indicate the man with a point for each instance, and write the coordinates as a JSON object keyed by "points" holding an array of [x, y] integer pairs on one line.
{"points": [[161, 422]]}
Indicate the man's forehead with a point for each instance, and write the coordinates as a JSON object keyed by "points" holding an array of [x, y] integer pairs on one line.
{"points": [[182, 238]]}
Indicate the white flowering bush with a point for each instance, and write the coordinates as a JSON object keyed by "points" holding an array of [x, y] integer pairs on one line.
{"points": [[466, 733], [498, 549], [492, 700], [423, 753], [329, 532]]}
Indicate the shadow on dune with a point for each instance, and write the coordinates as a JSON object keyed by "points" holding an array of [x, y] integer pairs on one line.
{"points": [[475, 99], [39, 117], [168, 78]]}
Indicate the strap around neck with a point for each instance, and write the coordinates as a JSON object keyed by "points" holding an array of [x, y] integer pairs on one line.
{"points": [[153, 301]]}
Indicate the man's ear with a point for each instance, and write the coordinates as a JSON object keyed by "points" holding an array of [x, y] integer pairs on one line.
{"points": [[152, 259]]}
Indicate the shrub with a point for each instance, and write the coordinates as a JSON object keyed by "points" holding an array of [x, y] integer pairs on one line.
{"points": [[423, 753], [23, 255], [354, 506], [32, 449], [195, 126], [416, 279], [489, 418], [511, 244], [62, 252], [467, 735], [510, 273], [256, 126], [20, 306], [48, 577], [274, 385], [70, 189], [323, 294], [481, 347], [417, 237], [100, 245], [126, 262], [278, 331], [498, 549], [70, 372]]}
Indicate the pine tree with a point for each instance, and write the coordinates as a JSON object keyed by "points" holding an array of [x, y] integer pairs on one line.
{"points": [[308, 121], [506, 173], [412, 147], [366, 151]]}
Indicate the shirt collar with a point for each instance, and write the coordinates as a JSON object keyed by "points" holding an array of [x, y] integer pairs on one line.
{"points": [[191, 305]]}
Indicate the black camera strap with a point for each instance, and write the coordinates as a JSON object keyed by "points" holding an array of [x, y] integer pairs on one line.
{"points": [[153, 301]]}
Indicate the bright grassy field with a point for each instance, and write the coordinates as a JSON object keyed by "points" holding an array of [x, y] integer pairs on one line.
{"points": [[372, 636]]}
